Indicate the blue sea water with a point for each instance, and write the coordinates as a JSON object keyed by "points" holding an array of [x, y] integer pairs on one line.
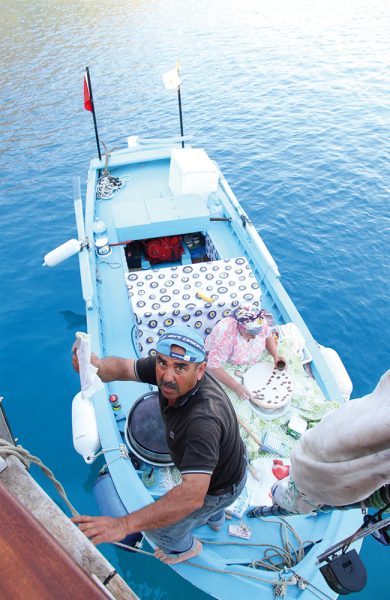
{"points": [[291, 99]]}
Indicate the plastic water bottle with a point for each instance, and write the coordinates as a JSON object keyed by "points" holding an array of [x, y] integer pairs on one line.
{"points": [[215, 206], [102, 246]]}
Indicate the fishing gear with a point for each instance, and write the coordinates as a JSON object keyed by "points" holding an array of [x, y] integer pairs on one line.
{"points": [[108, 185], [346, 573], [382, 535]]}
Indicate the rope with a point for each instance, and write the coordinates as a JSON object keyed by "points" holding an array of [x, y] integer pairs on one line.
{"points": [[123, 453], [213, 569], [8, 449], [108, 186], [289, 555], [280, 585]]}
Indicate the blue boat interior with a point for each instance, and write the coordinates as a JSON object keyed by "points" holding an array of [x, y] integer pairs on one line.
{"points": [[214, 230]]}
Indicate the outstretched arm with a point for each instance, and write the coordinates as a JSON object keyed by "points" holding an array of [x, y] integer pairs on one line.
{"points": [[242, 392], [170, 508], [272, 348], [111, 368]]}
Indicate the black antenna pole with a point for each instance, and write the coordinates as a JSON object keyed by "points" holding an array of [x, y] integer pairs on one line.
{"points": [[93, 112], [180, 110]]}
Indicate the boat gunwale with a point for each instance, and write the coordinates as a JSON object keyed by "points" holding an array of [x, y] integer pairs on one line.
{"points": [[121, 469]]}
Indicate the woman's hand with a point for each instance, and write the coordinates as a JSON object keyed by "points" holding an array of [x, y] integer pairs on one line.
{"points": [[242, 392], [280, 362], [272, 347]]}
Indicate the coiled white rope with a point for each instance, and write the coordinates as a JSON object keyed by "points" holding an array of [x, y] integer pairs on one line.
{"points": [[8, 449], [280, 585], [108, 186]]}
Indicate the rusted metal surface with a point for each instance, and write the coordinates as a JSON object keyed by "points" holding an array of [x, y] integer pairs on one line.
{"points": [[33, 565], [17, 480]]}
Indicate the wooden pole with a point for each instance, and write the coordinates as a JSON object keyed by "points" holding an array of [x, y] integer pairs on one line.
{"points": [[249, 432]]}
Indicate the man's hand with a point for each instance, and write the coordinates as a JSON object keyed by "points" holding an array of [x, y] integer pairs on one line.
{"points": [[75, 359], [101, 529], [95, 360]]}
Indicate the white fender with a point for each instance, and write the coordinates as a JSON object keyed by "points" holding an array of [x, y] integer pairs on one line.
{"points": [[339, 372], [84, 428], [61, 253]]}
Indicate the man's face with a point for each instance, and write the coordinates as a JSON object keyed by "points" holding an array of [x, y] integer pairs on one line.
{"points": [[176, 377]]}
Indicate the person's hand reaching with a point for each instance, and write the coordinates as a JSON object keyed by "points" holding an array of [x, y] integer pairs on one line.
{"points": [[242, 392]]}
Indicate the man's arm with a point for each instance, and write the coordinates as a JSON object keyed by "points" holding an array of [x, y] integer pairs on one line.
{"points": [[111, 368], [170, 508]]}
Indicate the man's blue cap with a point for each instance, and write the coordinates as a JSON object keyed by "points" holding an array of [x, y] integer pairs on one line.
{"points": [[185, 337]]}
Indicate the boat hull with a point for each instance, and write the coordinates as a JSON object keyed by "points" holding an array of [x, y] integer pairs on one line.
{"points": [[145, 208]]}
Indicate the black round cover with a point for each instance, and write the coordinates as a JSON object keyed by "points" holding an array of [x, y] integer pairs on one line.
{"points": [[145, 430]]}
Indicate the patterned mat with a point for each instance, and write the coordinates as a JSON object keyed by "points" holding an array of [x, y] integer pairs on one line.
{"points": [[307, 401]]}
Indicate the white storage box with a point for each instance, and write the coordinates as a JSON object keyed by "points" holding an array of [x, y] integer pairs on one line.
{"points": [[192, 172]]}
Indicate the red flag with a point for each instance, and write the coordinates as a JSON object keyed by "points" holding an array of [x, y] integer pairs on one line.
{"points": [[87, 95]]}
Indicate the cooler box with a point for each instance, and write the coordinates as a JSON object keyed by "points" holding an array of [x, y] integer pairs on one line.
{"points": [[192, 172]]}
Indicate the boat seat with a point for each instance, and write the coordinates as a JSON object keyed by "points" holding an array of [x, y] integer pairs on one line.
{"points": [[220, 243], [169, 215], [164, 297]]}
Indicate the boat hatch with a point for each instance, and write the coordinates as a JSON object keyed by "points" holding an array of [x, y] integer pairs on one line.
{"points": [[157, 215]]}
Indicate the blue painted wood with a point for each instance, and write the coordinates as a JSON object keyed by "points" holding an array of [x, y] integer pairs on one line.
{"points": [[226, 244], [111, 323], [161, 216]]}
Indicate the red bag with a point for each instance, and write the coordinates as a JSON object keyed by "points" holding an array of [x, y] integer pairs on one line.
{"points": [[163, 249], [280, 470]]}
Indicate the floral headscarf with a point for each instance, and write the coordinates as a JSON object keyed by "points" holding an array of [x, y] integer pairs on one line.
{"points": [[250, 317]]}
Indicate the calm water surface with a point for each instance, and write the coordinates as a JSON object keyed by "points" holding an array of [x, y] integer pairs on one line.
{"points": [[292, 100]]}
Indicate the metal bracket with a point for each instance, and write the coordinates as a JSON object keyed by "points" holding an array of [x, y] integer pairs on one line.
{"points": [[352, 538], [245, 221]]}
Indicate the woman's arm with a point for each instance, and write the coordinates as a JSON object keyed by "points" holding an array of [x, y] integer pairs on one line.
{"points": [[272, 348], [242, 392]]}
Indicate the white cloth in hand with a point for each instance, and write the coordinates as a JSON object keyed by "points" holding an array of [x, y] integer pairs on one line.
{"points": [[90, 381]]}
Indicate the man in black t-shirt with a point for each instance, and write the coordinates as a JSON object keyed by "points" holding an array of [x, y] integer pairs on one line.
{"points": [[203, 437]]}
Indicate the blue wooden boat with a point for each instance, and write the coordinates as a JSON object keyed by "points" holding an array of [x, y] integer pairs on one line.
{"points": [[135, 284]]}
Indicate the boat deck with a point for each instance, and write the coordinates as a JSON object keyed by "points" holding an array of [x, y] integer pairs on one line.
{"points": [[145, 207]]}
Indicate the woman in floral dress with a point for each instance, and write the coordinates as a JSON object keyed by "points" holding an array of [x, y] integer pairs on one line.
{"points": [[239, 340]]}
